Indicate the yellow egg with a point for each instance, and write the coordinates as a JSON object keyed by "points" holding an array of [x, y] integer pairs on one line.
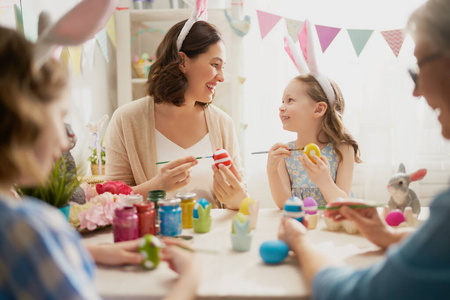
{"points": [[310, 150], [243, 208]]}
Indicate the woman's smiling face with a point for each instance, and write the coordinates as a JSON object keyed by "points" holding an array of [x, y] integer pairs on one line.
{"points": [[204, 72]]}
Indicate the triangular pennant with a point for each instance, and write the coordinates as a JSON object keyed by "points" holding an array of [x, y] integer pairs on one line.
{"points": [[359, 38], [75, 56], [87, 59], [111, 30], [293, 28], [266, 22], [103, 43], [326, 35], [395, 39], [303, 40], [65, 56]]}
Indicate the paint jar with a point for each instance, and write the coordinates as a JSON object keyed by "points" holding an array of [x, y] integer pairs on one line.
{"points": [[146, 217], [154, 196], [170, 216], [187, 207], [125, 224], [129, 200]]}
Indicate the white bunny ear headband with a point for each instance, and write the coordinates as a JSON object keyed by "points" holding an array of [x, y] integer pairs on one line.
{"points": [[307, 63], [77, 26], [198, 14]]}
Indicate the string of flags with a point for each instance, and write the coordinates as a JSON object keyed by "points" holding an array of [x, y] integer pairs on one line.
{"points": [[326, 34]]}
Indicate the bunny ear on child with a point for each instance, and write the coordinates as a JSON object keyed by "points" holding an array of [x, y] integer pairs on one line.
{"points": [[198, 14], [305, 59], [75, 27]]}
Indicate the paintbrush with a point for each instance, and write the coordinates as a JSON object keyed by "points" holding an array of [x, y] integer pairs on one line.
{"points": [[263, 152], [199, 157]]}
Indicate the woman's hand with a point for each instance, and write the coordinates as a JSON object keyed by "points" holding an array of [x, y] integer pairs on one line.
{"points": [[292, 232], [228, 186], [371, 225], [121, 253], [277, 153], [176, 174], [318, 172]]}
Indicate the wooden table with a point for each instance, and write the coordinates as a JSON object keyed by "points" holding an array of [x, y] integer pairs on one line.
{"points": [[230, 274]]}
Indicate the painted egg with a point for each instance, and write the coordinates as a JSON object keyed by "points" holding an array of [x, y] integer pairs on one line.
{"points": [[395, 218], [243, 208], [312, 149], [221, 156], [203, 202], [149, 248], [310, 206], [293, 208], [273, 252], [145, 56]]}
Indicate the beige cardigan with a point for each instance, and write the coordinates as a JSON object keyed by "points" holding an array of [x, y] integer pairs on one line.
{"points": [[130, 141]]}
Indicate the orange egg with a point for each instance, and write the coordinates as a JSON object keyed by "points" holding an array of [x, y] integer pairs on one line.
{"points": [[310, 150]]}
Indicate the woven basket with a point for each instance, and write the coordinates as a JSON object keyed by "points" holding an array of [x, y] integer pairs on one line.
{"points": [[141, 68]]}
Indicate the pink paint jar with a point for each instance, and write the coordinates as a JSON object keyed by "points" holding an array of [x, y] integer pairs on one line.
{"points": [[125, 224]]}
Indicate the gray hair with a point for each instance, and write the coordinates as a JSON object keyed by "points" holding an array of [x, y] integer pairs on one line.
{"points": [[432, 20]]}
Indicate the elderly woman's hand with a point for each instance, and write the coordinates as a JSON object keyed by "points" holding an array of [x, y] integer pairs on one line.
{"points": [[228, 185]]}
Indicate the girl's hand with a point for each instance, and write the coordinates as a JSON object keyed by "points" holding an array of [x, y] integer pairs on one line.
{"points": [[318, 172], [370, 225], [179, 260], [292, 232], [176, 174], [277, 152], [121, 253], [228, 186]]}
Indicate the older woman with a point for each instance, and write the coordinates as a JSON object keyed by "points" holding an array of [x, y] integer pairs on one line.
{"points": [[419, 267]]}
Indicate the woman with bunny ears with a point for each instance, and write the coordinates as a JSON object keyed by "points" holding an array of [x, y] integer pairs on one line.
{"points": [[417, 264], [41, 255], [176, 122], [312, 106]]}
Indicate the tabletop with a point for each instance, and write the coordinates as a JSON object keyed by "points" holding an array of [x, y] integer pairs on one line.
{"points": [[229, 274]]}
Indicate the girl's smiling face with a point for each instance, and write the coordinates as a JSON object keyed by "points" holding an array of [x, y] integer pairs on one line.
{"points": [[297, 108], [204, 73]]}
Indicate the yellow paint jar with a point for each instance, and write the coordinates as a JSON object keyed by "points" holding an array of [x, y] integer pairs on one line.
{"points": [[187, 207]]}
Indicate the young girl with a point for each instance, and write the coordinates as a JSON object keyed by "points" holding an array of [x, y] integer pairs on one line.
{"points": [[41, 255], [306, 110]]}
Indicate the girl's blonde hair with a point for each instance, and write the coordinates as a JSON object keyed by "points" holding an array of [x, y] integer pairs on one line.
{"points": [[332, 124], [24, 92]]}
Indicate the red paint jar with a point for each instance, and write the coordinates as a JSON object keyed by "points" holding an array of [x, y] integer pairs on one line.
{"points": [[146, 217]]}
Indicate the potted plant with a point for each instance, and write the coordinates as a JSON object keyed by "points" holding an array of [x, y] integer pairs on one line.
{"points": [[59, 188], [93, 159]]}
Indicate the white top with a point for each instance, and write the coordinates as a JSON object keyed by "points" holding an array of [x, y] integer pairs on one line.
{"points": [[202, 174]]}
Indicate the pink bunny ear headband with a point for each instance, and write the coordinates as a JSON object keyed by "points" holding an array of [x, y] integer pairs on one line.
{"points": [[306, 61], [78, 25], [199, 14]]}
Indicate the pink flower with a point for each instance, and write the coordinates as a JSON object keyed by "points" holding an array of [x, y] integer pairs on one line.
{"points": [[114, 187], [103, 198], [89, 192]]}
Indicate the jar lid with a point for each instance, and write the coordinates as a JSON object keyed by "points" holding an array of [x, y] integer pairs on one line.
{"points": [[169, 202], [126, 210], [186, 195], [144, 206], [157, 194], [129, 200]]}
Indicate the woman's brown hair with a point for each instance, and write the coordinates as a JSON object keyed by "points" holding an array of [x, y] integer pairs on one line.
{"points": [[24, 90], [332, 124], [166, 83]]}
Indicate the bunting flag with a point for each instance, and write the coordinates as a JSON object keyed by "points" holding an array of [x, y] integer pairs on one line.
{"points": [[326, 35], [103, 43], [87, 59], [266, 22], [111, 30], [293, 28], [359, 38], [75, 57], [65, 56], [395, 39]]}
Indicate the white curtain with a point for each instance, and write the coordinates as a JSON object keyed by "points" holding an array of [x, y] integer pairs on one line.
{"points": [[390, 125]]}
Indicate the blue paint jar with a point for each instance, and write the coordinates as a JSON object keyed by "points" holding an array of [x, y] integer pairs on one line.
{"points": [[170, 216]]}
